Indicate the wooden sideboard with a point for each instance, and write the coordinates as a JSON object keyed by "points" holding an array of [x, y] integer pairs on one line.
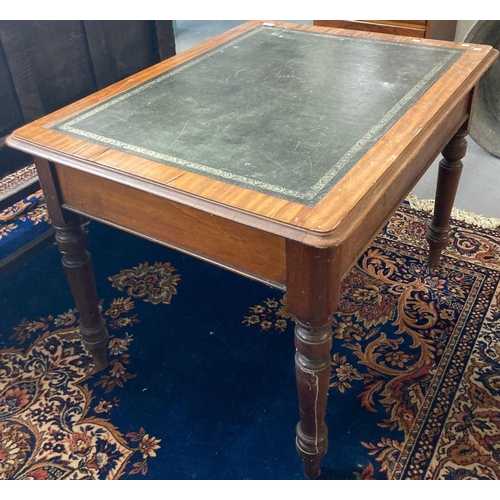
{"points": [[439, 30]]}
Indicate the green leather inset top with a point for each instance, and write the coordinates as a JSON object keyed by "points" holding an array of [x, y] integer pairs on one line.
{"points": [[275, 110]]}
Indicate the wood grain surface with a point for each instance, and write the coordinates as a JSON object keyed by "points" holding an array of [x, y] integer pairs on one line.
{"points": [[362, 190], [303, 249], [221, 241]]}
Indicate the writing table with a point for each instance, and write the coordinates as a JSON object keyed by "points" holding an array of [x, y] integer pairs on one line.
{"points": [[275, 150]]}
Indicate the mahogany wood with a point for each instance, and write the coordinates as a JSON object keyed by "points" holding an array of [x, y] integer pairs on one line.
{"points": [[321, 225], [450, 169], [313, 286], [307, 249], [365, 227], [70, 238], [243, 249], [440, 29], [78, 266], [402, 28]]}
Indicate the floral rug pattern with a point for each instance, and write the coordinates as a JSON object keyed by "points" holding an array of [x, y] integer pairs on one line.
{"points": [[17, 178], [51, 425], [31, 209], [421, 350], [416, 358]]}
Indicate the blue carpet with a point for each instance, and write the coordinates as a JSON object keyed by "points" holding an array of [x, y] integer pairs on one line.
{"points": [[201, 377], [22, 223]]}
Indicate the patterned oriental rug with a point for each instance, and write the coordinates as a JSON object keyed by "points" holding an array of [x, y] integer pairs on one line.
{"points": [[201, 377]]}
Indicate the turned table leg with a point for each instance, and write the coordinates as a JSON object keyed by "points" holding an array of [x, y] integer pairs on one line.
{"points": [[312, 368], [77, 264], [450, 168], [70, 237], [312, 296]]}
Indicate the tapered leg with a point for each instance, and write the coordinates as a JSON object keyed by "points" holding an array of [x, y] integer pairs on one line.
{"points": [[78, 267], [450, 168], [312, 296], [312, 368], [70, 237]]}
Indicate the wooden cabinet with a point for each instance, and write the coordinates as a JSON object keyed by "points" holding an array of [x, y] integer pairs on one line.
{"points": [[439, 30]]}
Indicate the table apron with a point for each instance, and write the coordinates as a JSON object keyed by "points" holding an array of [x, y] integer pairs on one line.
{"points": [[245, 250], [394, 187], [250, 251]]}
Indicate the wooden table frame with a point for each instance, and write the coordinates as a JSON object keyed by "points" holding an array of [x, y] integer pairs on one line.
{"points": [[305, 250]]}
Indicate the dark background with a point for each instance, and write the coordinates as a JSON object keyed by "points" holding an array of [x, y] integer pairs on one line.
{"points": [[45, 65]]}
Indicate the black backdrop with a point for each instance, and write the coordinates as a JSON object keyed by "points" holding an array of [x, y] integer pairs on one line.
{"points": [[45, 65]]}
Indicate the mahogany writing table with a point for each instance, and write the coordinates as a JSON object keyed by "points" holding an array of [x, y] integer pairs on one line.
{"points": [[274, 150]]}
